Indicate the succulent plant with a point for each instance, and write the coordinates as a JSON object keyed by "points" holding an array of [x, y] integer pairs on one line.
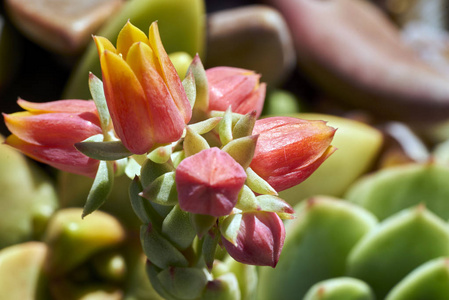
{"points": [[388, 240]]}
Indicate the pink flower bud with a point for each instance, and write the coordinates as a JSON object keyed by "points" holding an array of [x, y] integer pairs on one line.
{"points": [[290, 149], [209, 182], [237, 88], [145, 96], [259, 241], [48, 131]]}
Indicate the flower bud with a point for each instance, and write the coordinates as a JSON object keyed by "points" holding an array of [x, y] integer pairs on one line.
{"points": [[48, 131], [209, 182], [145, 97], [238, 88], [259, 241], [290, 149]]}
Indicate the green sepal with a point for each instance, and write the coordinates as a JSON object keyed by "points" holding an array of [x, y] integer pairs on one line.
{"points": [[142, 207], [152, 170], [242, 149], [101, 188], [230, 226], [209, 247], [225, 287], [97, 92], [162, 190], [194, 143], [177, 157], [258, 184], [234, 116], [196, 68], [159, 250], [132, 168], [277, 205], [190, 88], [206, 125], [247, 200], [178, 228], [225, 127], [244, 127], [202, 223], [161, 154], [111, 150], [184, 283], [340, 288], [152, 272], [428, 281]]}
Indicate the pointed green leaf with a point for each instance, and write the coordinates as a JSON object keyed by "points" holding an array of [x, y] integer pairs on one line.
{"points": [[242, 149], [194, 143], [178, 228], [97, 92], [177, 157], [205, 126], [142, 207], [111, 150], [247, 200], [160, 155], [159, 250], [225, 127], [152, 170], [258, 184], [209, 247], [101, 188], [189, 87], [184, 283], [275, 204], [234, 116], [196, 68], [132, 169], [202, 223], [244, 127], [230, 226], [162, 190]]}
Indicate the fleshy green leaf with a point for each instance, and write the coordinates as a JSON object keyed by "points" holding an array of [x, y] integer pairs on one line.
{"points": [[244, 127], [209, 247], [247, 200], [196, 68], [258, 184], [202, 223], [194, 143], [242, 149], [97, 92], [159, 250], [101, 188], [340, 288], [189, 86], [230, 226], [184, 283], [178, 228], [111, 150], [275, 204], [225, 127], [162, 190], [206, 125], [142, 207], [160, 155]]}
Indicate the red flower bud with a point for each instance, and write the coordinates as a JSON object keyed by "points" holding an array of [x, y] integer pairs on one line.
{"points": [[259, 241], [209, 182], [48, 131], [237, 88], [290, 149]]}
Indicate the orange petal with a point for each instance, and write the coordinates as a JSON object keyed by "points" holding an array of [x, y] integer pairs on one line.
{"points": [[127, 104], [63, 106], [169, 74], [103, 44], [168, 123], [129, 35]]}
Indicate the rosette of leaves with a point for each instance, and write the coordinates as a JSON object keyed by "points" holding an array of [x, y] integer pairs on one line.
{"points": [[389, 241]]}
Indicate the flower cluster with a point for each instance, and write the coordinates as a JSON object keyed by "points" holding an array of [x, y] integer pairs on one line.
{"points": [[196, 184]]}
